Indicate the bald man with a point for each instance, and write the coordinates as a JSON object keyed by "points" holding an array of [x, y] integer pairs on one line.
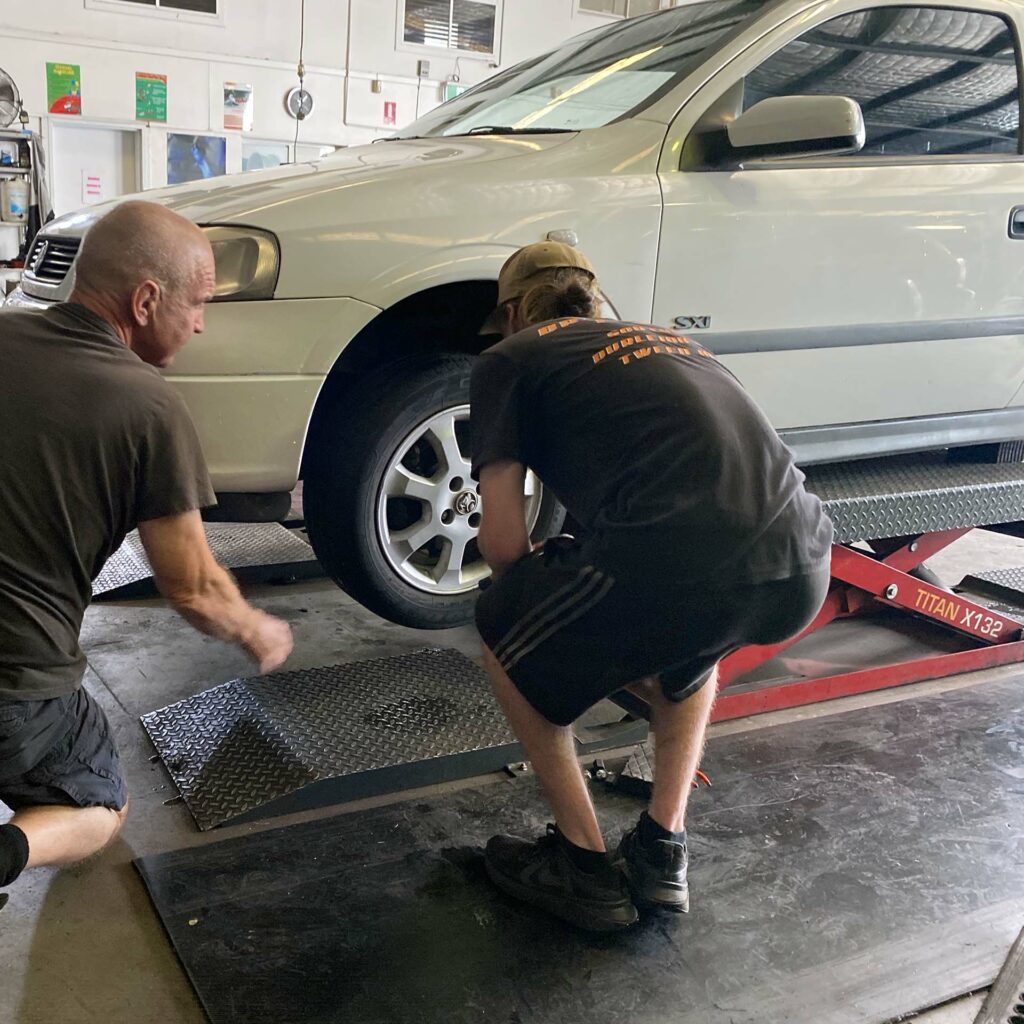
{"points": [[93, 443]]}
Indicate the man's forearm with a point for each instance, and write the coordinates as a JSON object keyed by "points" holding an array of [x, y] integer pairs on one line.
{"points": [[188, 575], [215, 607]]}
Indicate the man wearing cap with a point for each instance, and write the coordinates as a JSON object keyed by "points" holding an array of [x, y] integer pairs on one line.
{"points": [[532, 265], [699, 538]]}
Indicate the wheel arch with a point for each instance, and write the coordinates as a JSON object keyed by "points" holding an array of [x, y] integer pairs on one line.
{"points": [[443, 319]]}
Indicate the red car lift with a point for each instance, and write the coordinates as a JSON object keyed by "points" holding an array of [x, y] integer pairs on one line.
{"points": [[860, 583], [929, 501]]}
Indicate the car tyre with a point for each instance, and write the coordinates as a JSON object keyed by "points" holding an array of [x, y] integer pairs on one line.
{"points": [[368, 504]]}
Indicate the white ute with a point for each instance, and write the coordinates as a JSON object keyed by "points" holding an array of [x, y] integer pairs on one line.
{"points": [[830, 193]]}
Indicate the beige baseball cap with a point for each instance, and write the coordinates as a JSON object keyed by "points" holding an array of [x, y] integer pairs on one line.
{"points": [[527, 267]]}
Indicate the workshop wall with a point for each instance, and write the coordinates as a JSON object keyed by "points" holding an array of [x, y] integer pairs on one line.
{"points": [[364, 78]]}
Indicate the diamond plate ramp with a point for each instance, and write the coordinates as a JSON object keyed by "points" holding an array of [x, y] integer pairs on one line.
{"points": [[1005, 584], [254, 552], [903, 495], [1010, 609], [304, 739], [637, 777]]}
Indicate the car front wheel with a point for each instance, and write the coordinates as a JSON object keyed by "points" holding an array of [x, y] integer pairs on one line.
{"points": [[391, 506]]}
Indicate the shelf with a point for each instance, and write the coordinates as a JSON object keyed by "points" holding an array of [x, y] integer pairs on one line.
{"points": [[14, 170]]}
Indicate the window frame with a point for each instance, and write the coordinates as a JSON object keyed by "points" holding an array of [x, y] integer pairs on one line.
{"points": [[793, 30], [424, 50], [578, 9], [156, 10]]}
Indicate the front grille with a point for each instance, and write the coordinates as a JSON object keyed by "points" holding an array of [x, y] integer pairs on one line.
{"points": [[50, 259]]}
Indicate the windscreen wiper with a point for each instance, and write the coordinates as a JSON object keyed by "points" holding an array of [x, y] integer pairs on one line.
{"points": [[483, 129], [494, 129]]}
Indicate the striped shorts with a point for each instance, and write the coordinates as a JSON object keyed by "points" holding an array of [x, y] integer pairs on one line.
{"points": [[569, 634]]}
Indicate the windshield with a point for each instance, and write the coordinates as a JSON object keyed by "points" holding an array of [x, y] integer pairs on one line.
{"points": [[592, 79]]}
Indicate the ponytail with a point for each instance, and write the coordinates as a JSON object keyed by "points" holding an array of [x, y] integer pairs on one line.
{"points": [[567, 292]]}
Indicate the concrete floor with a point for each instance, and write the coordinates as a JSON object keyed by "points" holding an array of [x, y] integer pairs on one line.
{"points": [[85, 945]]}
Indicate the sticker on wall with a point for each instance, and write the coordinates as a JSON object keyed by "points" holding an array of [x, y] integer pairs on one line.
{"points": [[451, 90], [257, 155], [150, 97], [390, 112], [64, 88], [194, 157], [92, 188], [237, 107]]}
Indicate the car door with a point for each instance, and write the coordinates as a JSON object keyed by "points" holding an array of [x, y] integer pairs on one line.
{"points": [[881, 285]]}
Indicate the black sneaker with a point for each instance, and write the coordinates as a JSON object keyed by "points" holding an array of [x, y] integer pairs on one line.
{"points": [[656, 871], [543, 874], [3, 900]]}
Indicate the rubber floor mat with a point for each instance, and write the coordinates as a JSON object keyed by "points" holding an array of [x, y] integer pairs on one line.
{"points": [[845, 870]]}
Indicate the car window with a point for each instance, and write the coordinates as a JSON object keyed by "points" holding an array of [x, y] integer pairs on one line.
{"points": [[595, 78], [930, 80]]}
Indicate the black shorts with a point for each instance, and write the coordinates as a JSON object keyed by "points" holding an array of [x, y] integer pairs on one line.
{"points": [[59, 751], [569, 634]]}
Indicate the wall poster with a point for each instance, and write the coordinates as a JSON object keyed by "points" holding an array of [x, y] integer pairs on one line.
{"points": [[194, 157], [150, 97], [64, 88], [237, 107]]}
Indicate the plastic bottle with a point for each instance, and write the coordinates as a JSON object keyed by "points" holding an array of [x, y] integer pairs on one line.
{"points": [[14, 200]]}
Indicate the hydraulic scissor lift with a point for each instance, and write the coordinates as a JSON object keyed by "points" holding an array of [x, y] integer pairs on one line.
{"points": [[927, 501]]}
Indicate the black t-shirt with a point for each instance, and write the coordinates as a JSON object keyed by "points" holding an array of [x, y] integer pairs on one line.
{"points": [[92, 442], [654, 447]]}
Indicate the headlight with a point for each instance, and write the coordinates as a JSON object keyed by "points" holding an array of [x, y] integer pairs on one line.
{"points": [[248, 261]]}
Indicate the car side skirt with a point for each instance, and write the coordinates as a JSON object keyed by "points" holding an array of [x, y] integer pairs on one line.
{"points": [[845, 441]]}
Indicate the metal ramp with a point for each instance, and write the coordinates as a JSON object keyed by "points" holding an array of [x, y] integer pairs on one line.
{"points": [[254, 552], [255, 748], [250, 744], [1003, 584]]}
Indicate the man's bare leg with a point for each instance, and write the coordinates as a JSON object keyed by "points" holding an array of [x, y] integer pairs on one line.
{"points": [[678, 745], [59, 836], [552, 752]]}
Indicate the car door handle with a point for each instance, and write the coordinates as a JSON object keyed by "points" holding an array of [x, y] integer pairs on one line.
{"points": [[1017, 222]]}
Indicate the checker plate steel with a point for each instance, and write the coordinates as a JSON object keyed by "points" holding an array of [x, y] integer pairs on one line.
{"points": [[637, 777], [1011, 611], [239, 745], [234, 545], [913, 494], [1002, 583]]}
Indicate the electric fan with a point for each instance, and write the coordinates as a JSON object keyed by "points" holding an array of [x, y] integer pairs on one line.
{"points": [[10, 100]]}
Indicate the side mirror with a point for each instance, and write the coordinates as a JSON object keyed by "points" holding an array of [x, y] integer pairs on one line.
{"points": [[797, 126]]}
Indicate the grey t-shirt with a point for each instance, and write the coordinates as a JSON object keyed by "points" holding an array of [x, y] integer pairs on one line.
{"points": [[654, 447], [92, 442]]}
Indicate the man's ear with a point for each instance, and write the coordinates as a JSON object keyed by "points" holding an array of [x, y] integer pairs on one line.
{"points": [[144, 301], [510, 320]]}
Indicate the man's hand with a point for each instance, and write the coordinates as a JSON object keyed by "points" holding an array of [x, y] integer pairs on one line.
{"points": [[205, 594], [268, 641]]}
